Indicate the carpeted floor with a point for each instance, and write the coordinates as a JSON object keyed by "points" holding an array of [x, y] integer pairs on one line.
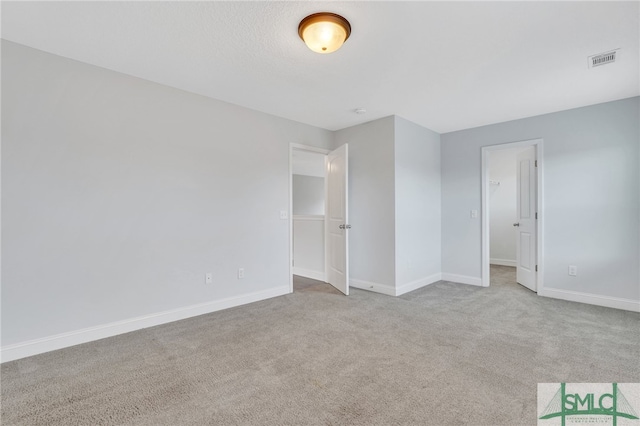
{"points": [[447, 354]]}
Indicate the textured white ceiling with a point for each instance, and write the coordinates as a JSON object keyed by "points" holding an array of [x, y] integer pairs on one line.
{"points": [[444, 65]]}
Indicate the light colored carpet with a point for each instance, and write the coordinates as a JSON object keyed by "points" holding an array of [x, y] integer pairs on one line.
{"points": [[447, 354]]}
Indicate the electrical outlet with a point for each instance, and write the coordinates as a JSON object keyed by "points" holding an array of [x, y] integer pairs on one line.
{"points": [[474, 214], [208, 278], [240, 273], [284, 214], [573, 270]]}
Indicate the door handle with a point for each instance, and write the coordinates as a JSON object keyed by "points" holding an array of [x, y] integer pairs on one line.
{"points": [[344, 226], [516, 224]]}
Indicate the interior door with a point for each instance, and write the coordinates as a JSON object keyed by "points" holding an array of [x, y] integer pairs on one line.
{"points": [[526, 224], [337, 219]]}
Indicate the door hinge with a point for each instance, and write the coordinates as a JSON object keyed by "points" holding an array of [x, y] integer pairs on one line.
{"points": [[536, 268], [536, 163], [536, 215]]}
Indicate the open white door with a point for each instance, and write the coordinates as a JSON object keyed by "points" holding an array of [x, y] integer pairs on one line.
{"points": [[526, 225], [337, 219]]}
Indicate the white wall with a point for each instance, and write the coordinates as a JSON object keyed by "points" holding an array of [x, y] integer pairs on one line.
{"points": [[591, 197], [119, 194], [308, 195], [308, 163], [394, 205], [371, 200], [502, 205], [308, 247], [417, 203]]}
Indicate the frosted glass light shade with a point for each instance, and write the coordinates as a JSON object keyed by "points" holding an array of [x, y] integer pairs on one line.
{"points": [[324, 32]]}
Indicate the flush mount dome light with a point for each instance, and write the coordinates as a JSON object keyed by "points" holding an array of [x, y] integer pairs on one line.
{"points": [[324, 32]]}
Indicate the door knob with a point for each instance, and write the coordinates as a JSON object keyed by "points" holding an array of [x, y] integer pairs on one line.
{"points": [[344, 226], [516, 224]]}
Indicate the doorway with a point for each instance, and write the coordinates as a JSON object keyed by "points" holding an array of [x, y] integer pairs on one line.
{"points": [[308, 193], [318, 217], [512, 211]]}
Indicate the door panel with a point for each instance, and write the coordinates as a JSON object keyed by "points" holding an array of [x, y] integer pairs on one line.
{"points": [[524, 185], [525, 255], [337, 219], [526, 213]]}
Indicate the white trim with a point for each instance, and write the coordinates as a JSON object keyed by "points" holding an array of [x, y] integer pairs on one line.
{"points": [[485, 152], [503, 262], [309, 273], [63, 340], [326, 218], [461, 279], [309, 148], [371, 286], [395, 291], [591, 299], [291, 218], [318, 217], [414, 285]]}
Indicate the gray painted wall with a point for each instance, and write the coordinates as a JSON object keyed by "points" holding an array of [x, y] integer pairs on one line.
{"points": [[308, 195], [119, 194], [371, 200], [591, 190], [394, 201], [417, 201]]}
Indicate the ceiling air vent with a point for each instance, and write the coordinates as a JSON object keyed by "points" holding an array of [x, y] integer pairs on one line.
{"points": [[602, 58]]}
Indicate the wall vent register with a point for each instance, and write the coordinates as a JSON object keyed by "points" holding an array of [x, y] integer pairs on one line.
{"points": [[602, 59]]}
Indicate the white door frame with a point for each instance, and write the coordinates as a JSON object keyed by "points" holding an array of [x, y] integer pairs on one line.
{"points": [[486, 152], [300, 147]]}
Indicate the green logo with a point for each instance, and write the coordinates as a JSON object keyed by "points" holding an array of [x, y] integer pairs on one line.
{"points": [[612, 404]]}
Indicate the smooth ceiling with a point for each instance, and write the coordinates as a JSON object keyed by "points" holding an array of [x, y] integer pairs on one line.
{"points": [[445, 66]]}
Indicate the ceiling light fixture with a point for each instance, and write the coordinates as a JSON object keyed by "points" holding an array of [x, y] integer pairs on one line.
{"points": [[324, 32]]}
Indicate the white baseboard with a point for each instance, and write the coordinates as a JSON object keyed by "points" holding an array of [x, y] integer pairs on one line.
{"points": [[391, 290], [462, 279], [308, 273], [414, 285], [371, 286], [503, 262], [591, 299], [59, 341]]}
